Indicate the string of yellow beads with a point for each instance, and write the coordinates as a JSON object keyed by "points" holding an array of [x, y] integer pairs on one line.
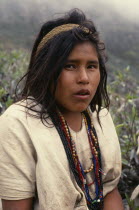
{"points": [[74, 153]]}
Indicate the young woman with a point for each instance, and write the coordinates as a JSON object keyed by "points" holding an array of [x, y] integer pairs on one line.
{"points": [[58, 145]]}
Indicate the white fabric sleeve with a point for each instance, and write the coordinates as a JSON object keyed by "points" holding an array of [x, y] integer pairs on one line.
{"points": [[112, 163], [110, 151], [17, 164]]}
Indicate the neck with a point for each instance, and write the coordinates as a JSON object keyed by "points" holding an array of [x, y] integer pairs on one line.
{"points": [[74, 120]]}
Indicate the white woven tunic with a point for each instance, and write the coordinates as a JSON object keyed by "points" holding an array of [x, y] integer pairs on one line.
{"points": [[33, 162]]}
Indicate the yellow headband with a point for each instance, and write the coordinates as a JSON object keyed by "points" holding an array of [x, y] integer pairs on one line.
{"points": [[54, 32]]}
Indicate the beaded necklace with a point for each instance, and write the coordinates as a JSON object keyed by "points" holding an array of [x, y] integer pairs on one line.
{"points": [[76, 166]]}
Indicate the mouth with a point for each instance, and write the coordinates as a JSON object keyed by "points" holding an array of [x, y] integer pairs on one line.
{"points": [[82, 94]]}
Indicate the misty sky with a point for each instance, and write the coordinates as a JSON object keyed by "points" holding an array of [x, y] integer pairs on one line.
{"points": [[129, 9]]}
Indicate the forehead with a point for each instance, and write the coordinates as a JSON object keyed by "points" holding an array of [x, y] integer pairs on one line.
{"points": [[85, 50]]}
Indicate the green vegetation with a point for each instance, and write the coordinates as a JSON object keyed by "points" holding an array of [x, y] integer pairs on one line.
{"points": [[124, 95], [13, 64]]}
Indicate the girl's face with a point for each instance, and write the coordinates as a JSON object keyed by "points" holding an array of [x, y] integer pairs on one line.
{"points": [[79, 79]]}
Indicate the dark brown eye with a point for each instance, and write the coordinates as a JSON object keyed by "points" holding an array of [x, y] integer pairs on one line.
{"points": [[69, 66], [92, 67]]}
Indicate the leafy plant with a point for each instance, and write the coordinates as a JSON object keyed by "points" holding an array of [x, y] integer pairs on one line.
{"points": [[124, 96], [13, 64]]}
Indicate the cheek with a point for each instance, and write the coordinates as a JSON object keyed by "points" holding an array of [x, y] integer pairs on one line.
{"points": [[65, 81], [96, 79], [62, 86]]}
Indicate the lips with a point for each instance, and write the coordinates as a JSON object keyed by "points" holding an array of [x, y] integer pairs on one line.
{"points": [[83, 92]]}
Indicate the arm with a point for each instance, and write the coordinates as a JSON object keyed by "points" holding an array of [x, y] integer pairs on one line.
{"points": [[111, 164], [26, 204], [113, 201], [17, 163]]}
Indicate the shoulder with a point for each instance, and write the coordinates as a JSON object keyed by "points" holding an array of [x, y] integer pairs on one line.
{"points": [[19, 112], [15, 108], [104, 116], [19, 121], [13, 113], [15, 123], [12, 123], [18, 109], [106, 126]]}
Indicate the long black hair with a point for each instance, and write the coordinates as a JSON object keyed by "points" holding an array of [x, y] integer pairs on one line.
{"points": [[46, 65]]}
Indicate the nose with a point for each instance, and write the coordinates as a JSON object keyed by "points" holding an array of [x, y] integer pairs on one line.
{"points": [[82, 76]]}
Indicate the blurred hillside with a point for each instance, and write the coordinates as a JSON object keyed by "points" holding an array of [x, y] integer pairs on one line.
{"points": [[20, 23]]}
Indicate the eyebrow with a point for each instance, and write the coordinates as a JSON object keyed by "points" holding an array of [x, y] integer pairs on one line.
{"points": [[76, 61]]}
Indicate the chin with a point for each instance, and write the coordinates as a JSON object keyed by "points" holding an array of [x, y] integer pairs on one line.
{"points": [[81, 108]]}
